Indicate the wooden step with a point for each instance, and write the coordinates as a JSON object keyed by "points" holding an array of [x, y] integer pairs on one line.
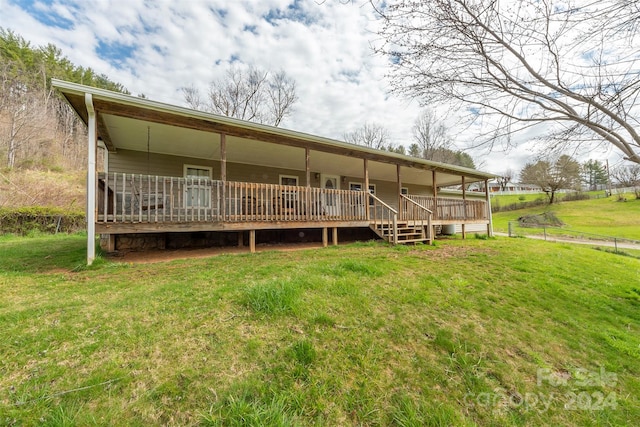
{"points": [[414, 241], [401, 232], [405, 233], [408, 235]]}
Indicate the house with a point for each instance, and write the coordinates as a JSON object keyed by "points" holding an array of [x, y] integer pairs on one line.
{"points": [[171, 174], [514, 188]]}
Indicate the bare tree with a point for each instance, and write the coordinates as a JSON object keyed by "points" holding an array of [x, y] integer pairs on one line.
{"points": [[430, 134], [505, 179], [514, 65], [432, 142], [628, 176], [192, 97], [282, 94], [249, 94], [551, 176], [24, 111], [370, 135]]}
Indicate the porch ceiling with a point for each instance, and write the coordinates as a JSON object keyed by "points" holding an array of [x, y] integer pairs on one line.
{"points": [[126, 133]]}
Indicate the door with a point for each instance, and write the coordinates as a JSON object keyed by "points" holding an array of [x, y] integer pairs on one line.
{"points": [[331, 200], [197, 186]]}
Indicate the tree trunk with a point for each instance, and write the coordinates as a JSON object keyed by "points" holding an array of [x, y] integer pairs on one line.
{"points": [[13, 145]]}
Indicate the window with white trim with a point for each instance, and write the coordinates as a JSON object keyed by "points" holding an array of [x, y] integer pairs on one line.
{"points": [[198, 186], [289, 180], [357, 186]]}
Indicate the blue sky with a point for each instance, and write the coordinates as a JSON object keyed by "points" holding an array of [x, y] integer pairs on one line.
{"points": [[157, 47]]}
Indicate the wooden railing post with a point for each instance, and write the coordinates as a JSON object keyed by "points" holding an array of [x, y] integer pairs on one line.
{"points": [[395, 229]]}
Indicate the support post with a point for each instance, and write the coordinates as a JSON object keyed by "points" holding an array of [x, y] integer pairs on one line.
{"points": [[252, 241], [240, 239], [325, 237], [488, 200], [395, 229], [307, 166], [108, 242], [92, 141], [223, 175], [335, 236], [399, 189], [435, 194], [366, 188], [464, 207]]}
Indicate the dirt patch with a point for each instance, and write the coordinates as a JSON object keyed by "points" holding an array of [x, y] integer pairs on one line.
{"points": [[539, 220]]}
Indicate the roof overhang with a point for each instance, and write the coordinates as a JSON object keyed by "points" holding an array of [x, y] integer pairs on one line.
{"points": [[126, 122]]}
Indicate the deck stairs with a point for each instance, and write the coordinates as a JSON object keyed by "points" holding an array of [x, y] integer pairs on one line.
{"points": [[407, 233]]}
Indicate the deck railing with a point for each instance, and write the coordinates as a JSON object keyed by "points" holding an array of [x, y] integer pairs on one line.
{"points": [[133, 198], [413, 211], [144, 198], [452, 209], [384, 218]]}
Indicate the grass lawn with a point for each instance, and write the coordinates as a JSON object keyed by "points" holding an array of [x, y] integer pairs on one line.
{"points": [[509, 199], [475, 332], [605, 216]]}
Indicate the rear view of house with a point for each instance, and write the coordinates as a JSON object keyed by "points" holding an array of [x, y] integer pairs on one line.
{"points": [[171, 173]]}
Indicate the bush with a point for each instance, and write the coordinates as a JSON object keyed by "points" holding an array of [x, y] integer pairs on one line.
{"points": [[521, 205], [29, 220], [571, 197]]}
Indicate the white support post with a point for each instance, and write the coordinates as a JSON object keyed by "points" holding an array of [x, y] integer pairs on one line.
{"points": [[91, 179], [488, 201]]}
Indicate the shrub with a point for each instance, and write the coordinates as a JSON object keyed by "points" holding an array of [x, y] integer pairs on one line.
{"points": [[29, 220], [570, 197]]}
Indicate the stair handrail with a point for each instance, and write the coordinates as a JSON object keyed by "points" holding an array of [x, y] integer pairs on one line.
{"points": [[429, 215], [391, 220], [429, 211]]}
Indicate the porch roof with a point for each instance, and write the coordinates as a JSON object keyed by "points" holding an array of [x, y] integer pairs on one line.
{"points": [[131, 123]]}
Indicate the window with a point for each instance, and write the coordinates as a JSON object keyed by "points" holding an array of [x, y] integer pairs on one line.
{"points": [[198, 186], [404, 191], [289, 198], [357, 186], [191, 171], [288, 180]]}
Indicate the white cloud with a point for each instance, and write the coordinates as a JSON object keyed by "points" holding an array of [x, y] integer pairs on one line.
{"points": [[324, 46]]}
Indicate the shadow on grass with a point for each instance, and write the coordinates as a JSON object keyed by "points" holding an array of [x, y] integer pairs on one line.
{"points": [[42, 253]]}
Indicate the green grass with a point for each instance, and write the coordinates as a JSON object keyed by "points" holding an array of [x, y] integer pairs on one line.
{"points": [[474, 332], [604, 216], [509, 199]]}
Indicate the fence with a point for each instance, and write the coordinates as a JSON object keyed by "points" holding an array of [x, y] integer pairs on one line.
{"points": [[546, 232]]}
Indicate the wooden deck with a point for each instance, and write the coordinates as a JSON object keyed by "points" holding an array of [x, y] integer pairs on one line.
{"points": [[135, 203]]}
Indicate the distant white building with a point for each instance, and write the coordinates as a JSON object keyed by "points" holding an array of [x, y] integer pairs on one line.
{"points": [[514, 188]]}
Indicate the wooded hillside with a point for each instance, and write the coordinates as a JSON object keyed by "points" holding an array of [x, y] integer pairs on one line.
{"points": [[38, 130]]}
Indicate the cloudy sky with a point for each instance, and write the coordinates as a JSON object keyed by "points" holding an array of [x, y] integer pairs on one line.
{"points": [[157, 47]]}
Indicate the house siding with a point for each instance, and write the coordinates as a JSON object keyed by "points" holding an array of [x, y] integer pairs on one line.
{"points": [[138, 162]]}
